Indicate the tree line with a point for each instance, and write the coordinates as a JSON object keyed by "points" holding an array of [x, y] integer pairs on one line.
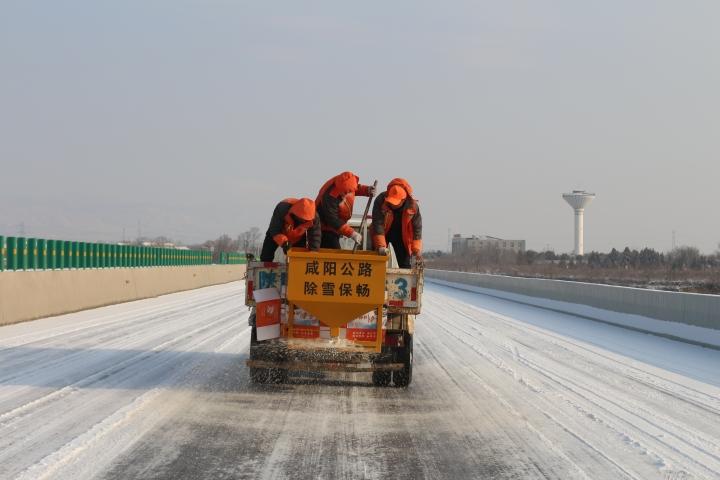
{"points": [[681, 258], [248, 241]]}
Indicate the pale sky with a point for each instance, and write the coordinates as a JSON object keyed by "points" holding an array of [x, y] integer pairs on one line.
{"points": [[194, 118]]}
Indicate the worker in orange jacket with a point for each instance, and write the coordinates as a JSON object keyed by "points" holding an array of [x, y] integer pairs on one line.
{"points": [[294, 223], [396, 220], [335, 205]]}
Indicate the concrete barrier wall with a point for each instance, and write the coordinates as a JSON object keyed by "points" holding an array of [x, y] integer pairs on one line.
{"points": [[687, 316], [27, 295]]}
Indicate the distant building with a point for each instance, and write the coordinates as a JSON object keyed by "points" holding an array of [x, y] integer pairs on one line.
{"points": [[475, 243]]}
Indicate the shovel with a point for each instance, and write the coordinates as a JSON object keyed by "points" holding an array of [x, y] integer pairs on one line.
{"points": [[364, 217]]}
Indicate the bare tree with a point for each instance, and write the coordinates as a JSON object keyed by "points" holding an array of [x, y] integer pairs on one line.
{"points": [[223, 244], [249, 241]]}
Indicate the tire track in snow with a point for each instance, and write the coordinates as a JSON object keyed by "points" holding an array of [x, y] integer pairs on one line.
{"points": [[215, 327], [693, 445]]}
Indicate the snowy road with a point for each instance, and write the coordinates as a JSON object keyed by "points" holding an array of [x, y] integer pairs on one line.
{"points": [[158, 389]]}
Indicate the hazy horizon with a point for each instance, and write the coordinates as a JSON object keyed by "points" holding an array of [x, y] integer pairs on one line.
{"points": [[193, 119]]}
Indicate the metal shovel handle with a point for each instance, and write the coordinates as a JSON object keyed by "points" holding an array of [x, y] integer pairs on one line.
{"points": [[364, 217]]}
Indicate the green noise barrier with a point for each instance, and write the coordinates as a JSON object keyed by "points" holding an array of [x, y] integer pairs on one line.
{"points": [[19, 253]]}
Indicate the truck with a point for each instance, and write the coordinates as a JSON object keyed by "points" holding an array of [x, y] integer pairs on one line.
{"points": [[333, 310]]}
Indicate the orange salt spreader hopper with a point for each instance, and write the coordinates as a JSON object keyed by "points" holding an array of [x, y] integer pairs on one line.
{"points": [[336, 286]]}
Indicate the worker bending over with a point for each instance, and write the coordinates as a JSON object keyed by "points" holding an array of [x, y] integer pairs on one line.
{"points": [[335, 205], [396, 220], [294, 223]]}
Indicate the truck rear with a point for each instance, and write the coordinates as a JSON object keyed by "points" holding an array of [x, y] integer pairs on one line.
{"points": [[332, 310]]}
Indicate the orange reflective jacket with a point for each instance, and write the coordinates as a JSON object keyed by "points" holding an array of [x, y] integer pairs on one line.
{"points": [[334, 209], [304, 209], [383, 217]]}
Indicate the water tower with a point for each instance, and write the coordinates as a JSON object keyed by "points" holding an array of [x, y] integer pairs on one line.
{"points": [[578, 200]]}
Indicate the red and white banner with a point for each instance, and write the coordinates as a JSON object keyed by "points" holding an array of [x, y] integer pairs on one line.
{"points": [[267, 313]]}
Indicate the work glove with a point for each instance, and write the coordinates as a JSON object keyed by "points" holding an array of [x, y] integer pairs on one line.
{"points": [[383, 251], [356, 237], [371, 191]]}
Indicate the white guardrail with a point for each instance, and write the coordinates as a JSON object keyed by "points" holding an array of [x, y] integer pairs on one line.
{"points": [[685, 316]]}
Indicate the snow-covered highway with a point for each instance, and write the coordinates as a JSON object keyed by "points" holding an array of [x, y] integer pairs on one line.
{"points": [[158, 389]]}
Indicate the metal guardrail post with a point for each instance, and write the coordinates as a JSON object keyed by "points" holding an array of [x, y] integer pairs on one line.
{"points": [[66, 255], [84, 254], [52, 254], [95, 255], [12, 253], [59, 254], [22, 253], [101, 255], [42, 254], [32, 248], [74, 255], [90, 262]]}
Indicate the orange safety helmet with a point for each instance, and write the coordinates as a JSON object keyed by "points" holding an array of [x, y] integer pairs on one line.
{"points": [[397, 191], [395, 195], [346, 182], [304, 209]]}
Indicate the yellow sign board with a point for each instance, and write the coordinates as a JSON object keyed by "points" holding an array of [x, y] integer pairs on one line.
{"points": [[336, 286]]}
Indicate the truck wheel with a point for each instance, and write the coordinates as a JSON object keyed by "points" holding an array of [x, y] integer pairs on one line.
{"points": [[265, 352], [381, 378], [403, 378], [259, 375], [277, 375]]}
